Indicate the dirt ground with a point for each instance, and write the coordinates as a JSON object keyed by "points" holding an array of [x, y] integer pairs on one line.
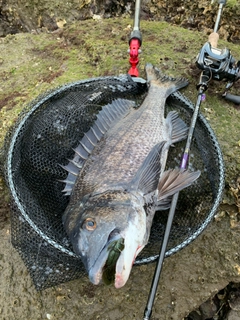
{"points": [[188, 279], [31, 64]]}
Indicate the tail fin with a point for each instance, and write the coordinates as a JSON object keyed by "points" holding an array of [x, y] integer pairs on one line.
{"points": [[154, 75]]}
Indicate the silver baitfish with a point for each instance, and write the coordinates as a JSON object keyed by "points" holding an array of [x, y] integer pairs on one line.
{"points": [[117, 180]]}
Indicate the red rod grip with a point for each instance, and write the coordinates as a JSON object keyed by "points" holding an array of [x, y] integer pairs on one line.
{"points": [[133, 60]]}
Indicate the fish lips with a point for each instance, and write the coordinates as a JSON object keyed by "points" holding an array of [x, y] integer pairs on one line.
{"points": [[96, 270]]}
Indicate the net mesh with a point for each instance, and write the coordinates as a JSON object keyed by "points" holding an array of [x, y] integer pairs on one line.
{"points": [[44, 136]]}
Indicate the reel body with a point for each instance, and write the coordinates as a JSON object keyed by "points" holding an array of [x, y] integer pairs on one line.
{"points": [[220, 63]]}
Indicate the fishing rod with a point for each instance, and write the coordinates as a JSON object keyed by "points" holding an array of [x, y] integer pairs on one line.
{"points": [[202, 86], [183, 166]]}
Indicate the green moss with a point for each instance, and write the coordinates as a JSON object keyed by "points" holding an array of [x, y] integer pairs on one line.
{"points": [[232, 3]]}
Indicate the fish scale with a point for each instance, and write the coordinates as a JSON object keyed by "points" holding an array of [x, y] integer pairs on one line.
{"points": [[120, 154]]}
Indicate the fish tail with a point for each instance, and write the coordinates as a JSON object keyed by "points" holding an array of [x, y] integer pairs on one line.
{"points": [[156, 77]]}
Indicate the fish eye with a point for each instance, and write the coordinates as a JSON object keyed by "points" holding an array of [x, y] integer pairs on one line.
{"points": [[90, 224]]}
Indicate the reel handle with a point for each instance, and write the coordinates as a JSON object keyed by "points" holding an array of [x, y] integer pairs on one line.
{"points": [[233, 98]]}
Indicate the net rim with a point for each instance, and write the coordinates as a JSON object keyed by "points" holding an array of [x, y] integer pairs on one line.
{"points": [[35, 104]]}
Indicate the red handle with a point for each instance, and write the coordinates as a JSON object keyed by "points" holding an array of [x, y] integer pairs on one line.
{"points": [[134, 51]]}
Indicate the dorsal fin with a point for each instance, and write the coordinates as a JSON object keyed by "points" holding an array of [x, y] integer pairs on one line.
{"points": [[179, 127], [106, 118]]}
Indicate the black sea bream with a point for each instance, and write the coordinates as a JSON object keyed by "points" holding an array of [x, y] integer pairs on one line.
{"points": [[117, 181]]}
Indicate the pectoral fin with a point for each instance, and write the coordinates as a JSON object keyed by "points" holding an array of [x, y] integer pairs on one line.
{"points": [[173, 181], [147, 176]]}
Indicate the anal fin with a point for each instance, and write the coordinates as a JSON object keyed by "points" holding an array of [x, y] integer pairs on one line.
{"points": [[173, 181]]}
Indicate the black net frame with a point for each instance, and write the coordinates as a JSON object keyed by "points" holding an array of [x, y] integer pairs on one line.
{"points": [[44, 136]]}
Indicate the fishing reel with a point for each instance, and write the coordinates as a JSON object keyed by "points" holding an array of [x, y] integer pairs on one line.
{"points": [[220, 63], [217, 64]]}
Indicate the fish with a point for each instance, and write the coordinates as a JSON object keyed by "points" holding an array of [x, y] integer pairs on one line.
{"points": [[117, 180]]}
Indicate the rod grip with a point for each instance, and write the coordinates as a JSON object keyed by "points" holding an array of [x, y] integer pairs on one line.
{"points": [[213, 39], [233, 98]]}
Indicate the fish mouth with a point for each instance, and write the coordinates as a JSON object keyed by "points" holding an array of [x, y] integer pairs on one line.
{"points": [[105, 265], [115, 261]]}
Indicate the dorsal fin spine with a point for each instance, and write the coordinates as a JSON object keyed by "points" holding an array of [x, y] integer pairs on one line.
{"points": [[95, 134], [107, 116], [78, 152], [76, 163], [103, 122], [97, 125], [91, 138], [84, 146], [69, 169]]}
